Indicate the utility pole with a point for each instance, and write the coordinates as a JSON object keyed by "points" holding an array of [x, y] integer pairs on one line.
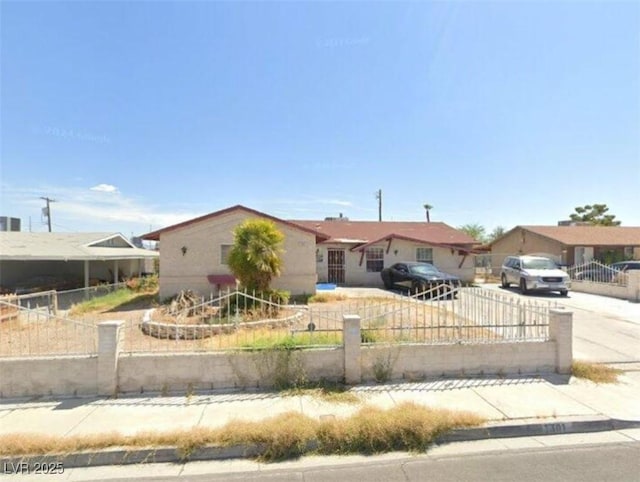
{"points": [[379, 198], [47, 210]]}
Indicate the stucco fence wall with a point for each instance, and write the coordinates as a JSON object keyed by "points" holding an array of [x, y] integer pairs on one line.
{"points": [[111, 372], [630, 292]]}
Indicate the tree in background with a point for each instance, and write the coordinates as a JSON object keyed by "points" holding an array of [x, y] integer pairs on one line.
{"points": [[476, 231], [255, 257], [497, 232], [594, 214], [427, 208]]}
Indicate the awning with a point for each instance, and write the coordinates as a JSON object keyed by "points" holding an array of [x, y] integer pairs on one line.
{"points": [[221, 279]]}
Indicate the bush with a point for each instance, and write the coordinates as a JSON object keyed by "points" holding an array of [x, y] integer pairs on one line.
{"points": [[257, 308], [145, 284]]}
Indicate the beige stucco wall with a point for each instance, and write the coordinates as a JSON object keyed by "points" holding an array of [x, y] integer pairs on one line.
{"points": [[202, 241], [59, 375], [207, 371], [603, 289], [400, 250], [523, 242], [418, 361]]}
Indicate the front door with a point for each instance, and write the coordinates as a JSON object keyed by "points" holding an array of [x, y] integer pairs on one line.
{"points": [[335, 263]]}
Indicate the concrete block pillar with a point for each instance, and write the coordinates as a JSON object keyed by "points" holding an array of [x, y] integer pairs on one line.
{"points": [[561, 331], [633, 286], [110, 337], [352, 340]]}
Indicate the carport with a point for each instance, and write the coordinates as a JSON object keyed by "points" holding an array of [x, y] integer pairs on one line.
{"points": [[69, 258]]}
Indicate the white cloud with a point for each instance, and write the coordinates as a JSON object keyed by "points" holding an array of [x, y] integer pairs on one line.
{"points": [[104, 188], [100, 208]]}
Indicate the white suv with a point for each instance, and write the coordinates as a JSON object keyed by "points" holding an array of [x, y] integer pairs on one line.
{"points": [[534, 273]]}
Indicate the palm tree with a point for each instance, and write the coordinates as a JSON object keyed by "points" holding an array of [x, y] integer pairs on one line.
{"points": [[255, 255], [427, 208]]}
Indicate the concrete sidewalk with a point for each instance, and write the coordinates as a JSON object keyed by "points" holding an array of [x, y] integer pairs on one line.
{"points": [[519, 403]]}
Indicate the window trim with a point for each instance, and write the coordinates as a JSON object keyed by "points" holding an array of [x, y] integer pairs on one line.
{"points": [[368, 254], [223, 259], [423, 260]]}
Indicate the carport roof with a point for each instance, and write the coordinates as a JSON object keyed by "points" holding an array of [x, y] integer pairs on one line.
{"points": [[22, 246]]}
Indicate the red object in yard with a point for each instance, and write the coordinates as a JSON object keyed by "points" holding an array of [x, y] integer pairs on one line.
{"points": [[222, 279]]}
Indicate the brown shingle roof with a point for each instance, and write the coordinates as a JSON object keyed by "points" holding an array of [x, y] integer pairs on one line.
{"points": [[590, 235], [361, 232], [155, 235]]}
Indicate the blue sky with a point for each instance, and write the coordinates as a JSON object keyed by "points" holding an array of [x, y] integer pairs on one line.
{"points": [[137, 115]]}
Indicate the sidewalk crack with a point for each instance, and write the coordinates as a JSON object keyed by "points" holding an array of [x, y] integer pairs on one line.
{"points": [[82, 420], [506, 417], [578, 401]]}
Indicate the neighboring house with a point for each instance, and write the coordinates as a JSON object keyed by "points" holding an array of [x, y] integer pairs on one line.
{"points": [[193, 253], [48, 260], [355, 252], [569, 244]]}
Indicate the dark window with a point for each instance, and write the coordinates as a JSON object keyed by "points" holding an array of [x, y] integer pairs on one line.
{"points": [[375, 259]]}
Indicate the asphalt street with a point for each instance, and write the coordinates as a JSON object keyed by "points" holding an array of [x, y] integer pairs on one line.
{"points": [[584, 463]]}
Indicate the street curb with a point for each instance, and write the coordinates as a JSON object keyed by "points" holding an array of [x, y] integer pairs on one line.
{"points": [[536, 429], [119, 456]]}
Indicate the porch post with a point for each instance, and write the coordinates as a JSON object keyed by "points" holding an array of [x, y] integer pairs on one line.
{"points": [[115, 272], [86, 273]]}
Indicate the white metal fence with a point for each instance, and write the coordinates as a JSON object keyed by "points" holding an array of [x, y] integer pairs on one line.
{"points": [[471, 315], [596, 272], [38, 331], [244, 321], [66, 299]]}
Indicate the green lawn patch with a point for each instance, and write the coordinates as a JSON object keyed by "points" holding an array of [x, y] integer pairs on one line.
{"points": [[122, 297]]}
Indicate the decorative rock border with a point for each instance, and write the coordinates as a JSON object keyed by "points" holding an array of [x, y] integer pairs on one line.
{"points": [[174, 331]]}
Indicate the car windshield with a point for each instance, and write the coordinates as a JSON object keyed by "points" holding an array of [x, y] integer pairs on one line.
{"points": [[423, 269], [538, 263]]}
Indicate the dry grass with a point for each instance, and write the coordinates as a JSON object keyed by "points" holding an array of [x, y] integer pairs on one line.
{"points": [[327, 393], [326, 298], [595, 372], [408, 426]]}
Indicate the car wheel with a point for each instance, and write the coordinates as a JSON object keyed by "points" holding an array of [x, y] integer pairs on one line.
{"points": [[505, 283], [523, 286], [419, 287], [564, 292], [387, 283]]}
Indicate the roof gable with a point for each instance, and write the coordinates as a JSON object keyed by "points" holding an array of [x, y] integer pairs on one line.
{"points": [[585, 235], [113, 241], [155, 235]]}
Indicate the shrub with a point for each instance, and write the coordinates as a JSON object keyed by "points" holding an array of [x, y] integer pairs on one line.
{"points": [[256, 308], [145, 284]]}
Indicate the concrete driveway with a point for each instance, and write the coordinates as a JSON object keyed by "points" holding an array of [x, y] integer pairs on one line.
{"points": [[604, 330]]}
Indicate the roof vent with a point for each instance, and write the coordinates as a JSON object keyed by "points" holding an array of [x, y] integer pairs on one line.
{"points": [[339, 218]]}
